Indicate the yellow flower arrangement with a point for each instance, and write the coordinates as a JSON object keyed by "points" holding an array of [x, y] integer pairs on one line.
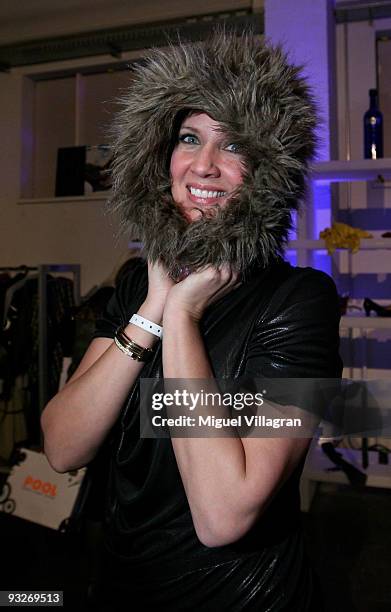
{"points": [[343, 236]]}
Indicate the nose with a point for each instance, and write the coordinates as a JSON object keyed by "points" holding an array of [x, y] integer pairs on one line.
{"points": [[206, 161]]}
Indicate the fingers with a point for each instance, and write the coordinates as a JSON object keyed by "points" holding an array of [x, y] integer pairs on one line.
{"points": [[229, 276], [223, 274], [217, 278], [157, 269], [155, 265], [202, 288], [222, 280]]}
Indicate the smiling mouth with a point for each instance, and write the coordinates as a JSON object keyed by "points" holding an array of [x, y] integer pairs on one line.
{"points": [[205, 194]]}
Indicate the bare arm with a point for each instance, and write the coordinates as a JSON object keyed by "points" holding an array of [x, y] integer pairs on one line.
{"points": [[76, 421], [227, 484]]}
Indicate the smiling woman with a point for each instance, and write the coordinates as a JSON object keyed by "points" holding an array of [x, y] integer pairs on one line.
{"points": [[205, 170], [211, 152]]}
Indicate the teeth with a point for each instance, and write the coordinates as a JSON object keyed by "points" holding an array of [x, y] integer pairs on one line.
{"points": [[203, 193]]}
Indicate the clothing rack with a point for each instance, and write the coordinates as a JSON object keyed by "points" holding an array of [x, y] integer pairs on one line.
{"points": [[43, 270]]}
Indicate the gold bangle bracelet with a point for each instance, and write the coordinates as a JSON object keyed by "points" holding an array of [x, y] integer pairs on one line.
{"points": [[131, 348], [127, 351], [131, 344]]}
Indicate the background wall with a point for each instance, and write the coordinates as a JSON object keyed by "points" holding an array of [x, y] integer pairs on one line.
{"points": [[55, 232]]}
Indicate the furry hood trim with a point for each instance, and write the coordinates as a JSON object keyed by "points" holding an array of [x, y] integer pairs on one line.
{"points": [[263, 105]]}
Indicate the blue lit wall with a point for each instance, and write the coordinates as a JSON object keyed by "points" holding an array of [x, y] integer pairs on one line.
{"points": [[306, 30]]}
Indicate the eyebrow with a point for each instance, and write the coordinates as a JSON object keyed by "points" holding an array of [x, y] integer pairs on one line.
{"points": [[189, 127], [197, 131]]}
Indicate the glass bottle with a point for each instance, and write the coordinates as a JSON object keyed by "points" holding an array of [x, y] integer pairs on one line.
{"points": [[373, 128]]}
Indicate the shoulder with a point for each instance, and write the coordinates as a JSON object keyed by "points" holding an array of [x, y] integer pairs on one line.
{"points": [[296, 333], [305, 279], [300, 287]]}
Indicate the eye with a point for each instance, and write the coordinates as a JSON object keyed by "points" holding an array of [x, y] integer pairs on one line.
{"points": [[233, 148], [188, 138]]}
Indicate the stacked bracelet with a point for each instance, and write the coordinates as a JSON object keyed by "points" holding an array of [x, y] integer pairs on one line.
{"points": [[131, 348], [147, 325]]}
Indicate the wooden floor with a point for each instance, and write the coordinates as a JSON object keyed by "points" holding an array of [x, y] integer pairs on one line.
{"points": [[348, 536]]}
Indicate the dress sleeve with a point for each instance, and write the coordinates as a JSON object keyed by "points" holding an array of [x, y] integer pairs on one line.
{"points": [[298, 334], [125, 301]]}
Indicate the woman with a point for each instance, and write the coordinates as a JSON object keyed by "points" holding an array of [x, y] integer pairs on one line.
{"points": [[211, 153]]}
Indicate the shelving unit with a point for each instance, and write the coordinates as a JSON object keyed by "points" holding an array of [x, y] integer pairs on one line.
{"points": [[365, 243], [98, 195], [336, 171], [318, 467], [341, 172], [321, 172], [64, 109], [361, 322], [351, 170]]}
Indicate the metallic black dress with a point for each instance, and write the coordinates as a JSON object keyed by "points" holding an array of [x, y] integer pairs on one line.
{"points": [[281, 322]]}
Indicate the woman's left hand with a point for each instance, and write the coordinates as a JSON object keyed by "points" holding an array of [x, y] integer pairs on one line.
{"points": [[200, 289]]}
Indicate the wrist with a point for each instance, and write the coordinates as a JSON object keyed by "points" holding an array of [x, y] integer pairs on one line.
{"points": [[152, 311], [177, 314]]}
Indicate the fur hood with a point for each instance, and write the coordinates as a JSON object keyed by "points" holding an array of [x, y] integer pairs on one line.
{"points": [[264, 106]]}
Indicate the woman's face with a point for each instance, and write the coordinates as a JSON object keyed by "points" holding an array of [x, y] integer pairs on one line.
{"points": [[205, 168]]}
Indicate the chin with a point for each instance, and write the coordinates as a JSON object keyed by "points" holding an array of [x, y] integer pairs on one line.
{"points": [[192, 214]]}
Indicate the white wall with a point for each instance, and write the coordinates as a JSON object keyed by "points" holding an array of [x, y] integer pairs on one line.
{"points": [[56, 232]]}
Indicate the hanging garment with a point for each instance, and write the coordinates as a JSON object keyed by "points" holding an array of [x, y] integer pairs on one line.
{"points": [[21, 342], [13, 428]]}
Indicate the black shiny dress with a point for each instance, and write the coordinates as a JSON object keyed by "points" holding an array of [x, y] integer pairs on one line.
{"points": [[281, 322]]}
